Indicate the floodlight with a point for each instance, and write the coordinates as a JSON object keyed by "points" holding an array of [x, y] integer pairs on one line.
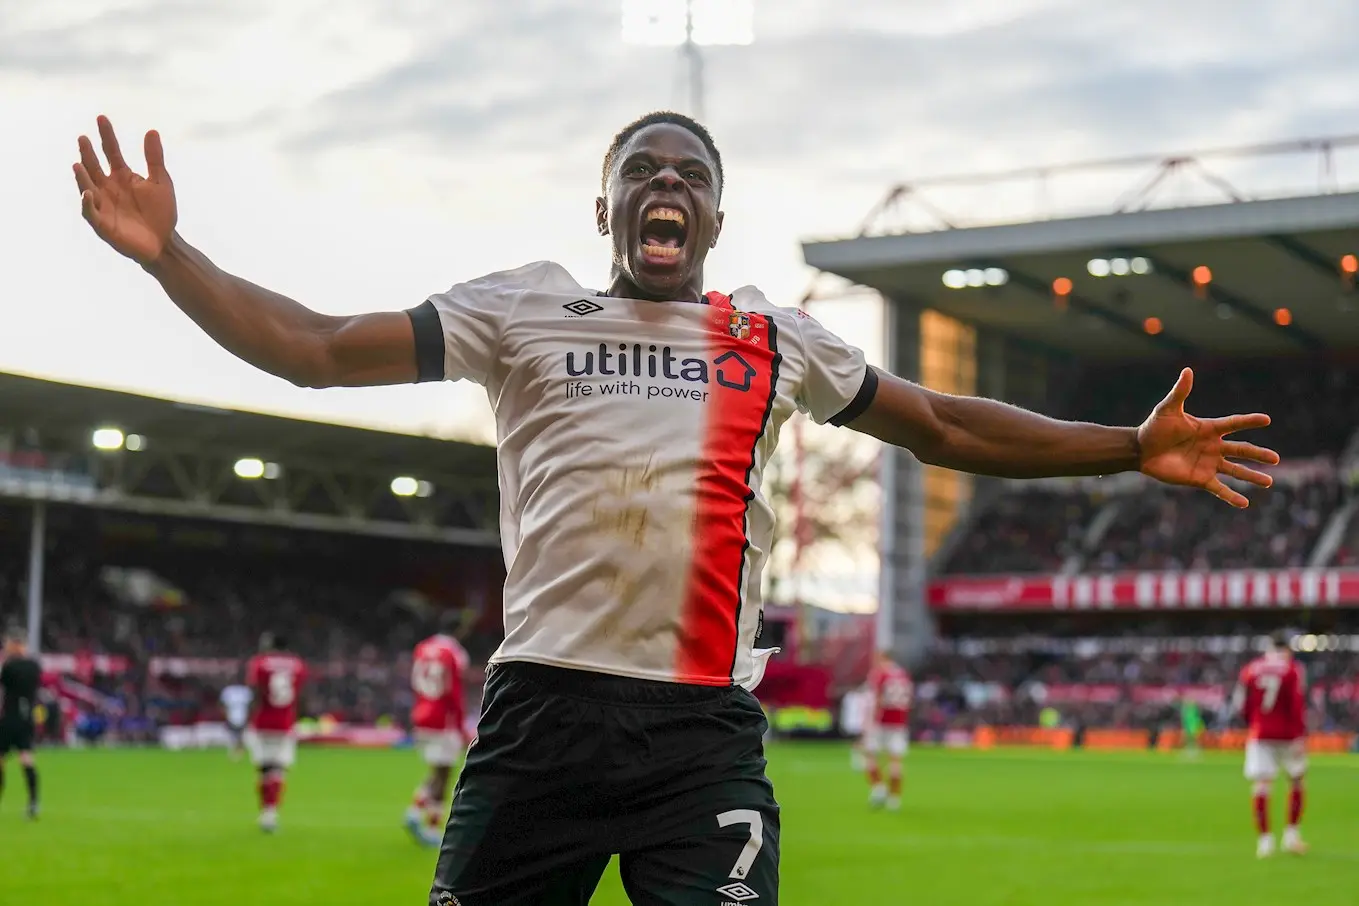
{"points": [[955, 279], [249, 468], [689, 25], [1119, 267], [135, 442], [680, 22], [1097, 267], [405, 486], [996, 276], [976, 277], [107, 439], [1141, 266], [272, 470]]}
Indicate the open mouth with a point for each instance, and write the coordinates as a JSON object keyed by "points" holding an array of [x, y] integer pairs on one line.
{"points": [[663, 233]]}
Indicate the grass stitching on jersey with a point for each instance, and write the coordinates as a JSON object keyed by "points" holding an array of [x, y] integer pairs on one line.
{"points": [[736, 421]]}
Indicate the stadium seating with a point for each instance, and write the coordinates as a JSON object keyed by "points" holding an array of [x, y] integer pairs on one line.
{"points": [[1315, 408]]}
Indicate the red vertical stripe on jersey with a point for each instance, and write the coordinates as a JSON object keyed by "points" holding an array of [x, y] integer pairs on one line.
{"points": [[744, 356]]}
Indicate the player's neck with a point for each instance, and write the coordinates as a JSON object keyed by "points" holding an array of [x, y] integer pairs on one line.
{"points": [[620, 287]]}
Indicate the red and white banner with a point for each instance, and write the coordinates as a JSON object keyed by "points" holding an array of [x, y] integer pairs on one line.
{"points": [[1226, 589]]}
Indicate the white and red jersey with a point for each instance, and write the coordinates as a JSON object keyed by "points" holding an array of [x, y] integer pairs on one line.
{"points": [[276, 678], [436, 680], [1273, 698], [891, 693], [632, 440]]}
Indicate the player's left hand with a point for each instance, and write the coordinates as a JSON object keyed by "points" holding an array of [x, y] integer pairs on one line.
{"points": [[1178, 448]]}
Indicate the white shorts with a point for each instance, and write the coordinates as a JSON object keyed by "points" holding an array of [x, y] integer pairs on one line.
{"points": [[1265, 758], [893, 740], [440, 748], [276, 749]]}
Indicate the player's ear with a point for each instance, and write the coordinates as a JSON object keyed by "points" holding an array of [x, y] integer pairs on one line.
{"points": [[602, 216], [717, 230]]}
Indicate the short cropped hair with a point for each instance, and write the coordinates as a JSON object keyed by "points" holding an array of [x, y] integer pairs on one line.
{"points": [[657, 118]]}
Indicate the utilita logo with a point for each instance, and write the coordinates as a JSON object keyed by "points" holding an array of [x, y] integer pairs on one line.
{"points": [[728, 370]]}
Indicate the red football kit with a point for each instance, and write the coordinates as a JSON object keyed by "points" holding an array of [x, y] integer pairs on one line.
{"points": [[436, 680], [1275, 706], [892, 692], [277, 678]]}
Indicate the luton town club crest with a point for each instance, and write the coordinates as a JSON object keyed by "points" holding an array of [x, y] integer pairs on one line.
{"points": [[739, 325]]}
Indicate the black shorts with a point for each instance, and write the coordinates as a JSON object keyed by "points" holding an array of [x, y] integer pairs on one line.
{"points": [[16, 736], [571, 767]]}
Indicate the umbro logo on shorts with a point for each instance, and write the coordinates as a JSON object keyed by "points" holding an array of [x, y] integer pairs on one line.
{"points": [[738, 892], [582, 307]]}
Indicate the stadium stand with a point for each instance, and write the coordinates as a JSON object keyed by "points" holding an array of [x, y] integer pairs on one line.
{"points": [[1108, 602]]}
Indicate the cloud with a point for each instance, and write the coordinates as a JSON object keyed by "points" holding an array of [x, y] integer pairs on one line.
{"points": [[103, 39]]}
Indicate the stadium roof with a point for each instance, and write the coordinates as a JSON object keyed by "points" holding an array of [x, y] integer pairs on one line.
{"points": [[1277, 259], [188, 462], [1263, 256], [77, 410]]}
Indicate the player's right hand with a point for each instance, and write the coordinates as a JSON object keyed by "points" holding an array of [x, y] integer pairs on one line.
{"points": [[134, 214]]}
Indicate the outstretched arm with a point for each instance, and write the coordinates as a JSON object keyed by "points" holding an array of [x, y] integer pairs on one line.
{"points": [[989, 438], [985, 437], [137, 215], [281, 336]]}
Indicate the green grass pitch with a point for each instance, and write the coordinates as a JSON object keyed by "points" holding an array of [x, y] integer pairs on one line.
{"points": [[1008, 828]]}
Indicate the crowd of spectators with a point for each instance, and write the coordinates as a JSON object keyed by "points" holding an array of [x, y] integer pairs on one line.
{"points": [[1315, 412], [1314, 405], [1152, 527], [959, 690], [1026, 531]]}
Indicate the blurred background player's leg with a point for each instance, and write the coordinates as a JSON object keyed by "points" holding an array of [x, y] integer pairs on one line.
{"points": [[872, 748], [897, 744], [273, 755], [1295, 765], [1264, 846], [426, 816], [31, 781], [1261, 769]]}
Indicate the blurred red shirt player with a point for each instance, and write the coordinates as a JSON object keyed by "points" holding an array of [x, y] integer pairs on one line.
{"points": [[276, 676], [438, 717], [890, 695], [1271, 697]]}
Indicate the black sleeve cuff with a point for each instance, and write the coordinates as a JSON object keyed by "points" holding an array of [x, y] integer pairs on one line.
{"points": [[859, 405], [429, 342]]}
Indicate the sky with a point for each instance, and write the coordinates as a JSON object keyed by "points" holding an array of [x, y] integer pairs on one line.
{"points": [[359, 155]]}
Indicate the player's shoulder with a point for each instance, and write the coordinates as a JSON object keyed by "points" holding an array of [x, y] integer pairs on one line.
{"points": [[752, 299], [539, 276]]}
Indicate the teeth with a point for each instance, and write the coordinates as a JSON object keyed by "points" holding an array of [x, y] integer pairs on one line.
{"points": [[661, 250], [665, 214]]}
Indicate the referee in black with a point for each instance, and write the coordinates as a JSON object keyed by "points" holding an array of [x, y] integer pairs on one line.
{"points": [[20, 677]]}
